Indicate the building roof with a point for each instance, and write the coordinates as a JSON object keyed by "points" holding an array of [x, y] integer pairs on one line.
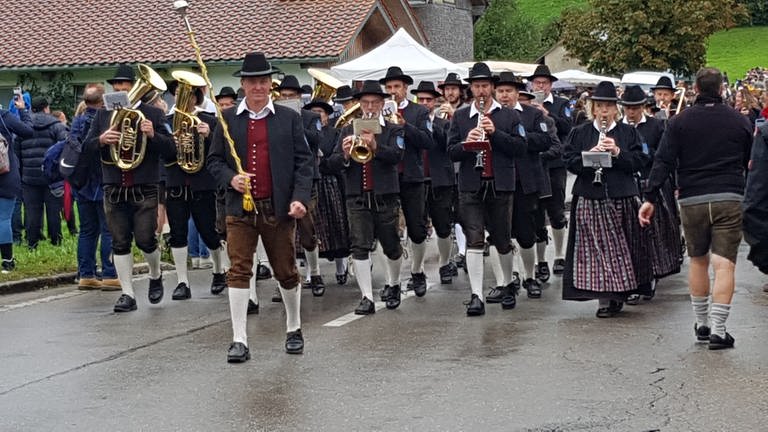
{"points": [[105, 32]]}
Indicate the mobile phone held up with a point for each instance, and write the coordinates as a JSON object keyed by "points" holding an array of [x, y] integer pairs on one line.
{"points": [[16, 93]]}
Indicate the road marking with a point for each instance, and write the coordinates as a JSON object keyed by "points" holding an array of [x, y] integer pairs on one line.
{"points": [[48, 299], [348, 318]]}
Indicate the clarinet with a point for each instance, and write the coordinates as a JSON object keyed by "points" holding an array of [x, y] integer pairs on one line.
{"points": [[598, 179], [479, 156]]}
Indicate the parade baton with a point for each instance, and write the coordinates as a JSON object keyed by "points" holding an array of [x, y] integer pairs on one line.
{"points": [[181, 7]]}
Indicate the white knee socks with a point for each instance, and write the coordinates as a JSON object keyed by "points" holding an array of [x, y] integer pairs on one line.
{"points": [[444, 246], [292, 302], [313, 265], [495, 261], [238, 309], [529, 262], [475, 271], [363, 276], [506, 262], [558, 238], [461, 239], [541, 251], [153, 261], [216, 259], [180, 262], [124, 268], [417, 259], [252, 283]]}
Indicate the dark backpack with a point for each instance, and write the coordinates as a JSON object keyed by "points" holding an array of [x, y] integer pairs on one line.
{"points": [[51, 162], [73, 165]]}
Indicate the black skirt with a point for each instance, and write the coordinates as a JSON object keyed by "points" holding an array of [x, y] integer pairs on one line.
{"points": [[330, 217], [666, 253]]}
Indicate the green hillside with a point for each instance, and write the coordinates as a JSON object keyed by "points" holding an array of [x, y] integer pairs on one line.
{"points": [[544, 10], [737, 50]]}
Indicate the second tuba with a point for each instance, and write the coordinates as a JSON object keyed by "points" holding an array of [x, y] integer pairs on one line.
{"points": [[190, 146], [132, 146]]}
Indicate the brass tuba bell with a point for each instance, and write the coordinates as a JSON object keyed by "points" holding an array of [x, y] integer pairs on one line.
{"points": [[132, 146], [190, 146], [326, 85]]}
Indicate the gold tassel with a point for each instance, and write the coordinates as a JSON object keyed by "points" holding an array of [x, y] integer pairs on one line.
{"points": [[248, 204]]}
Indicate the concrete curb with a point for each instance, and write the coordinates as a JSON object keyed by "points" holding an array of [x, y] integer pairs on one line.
{"points": [[45, 282]]}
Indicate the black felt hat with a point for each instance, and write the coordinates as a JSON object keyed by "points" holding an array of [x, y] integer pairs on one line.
{"points": [[509, 78], [123, 73], [290, 82], [255, 64], [319, 103], [480, 71], [226, 92], [370, 87], [395, 73], [633, 96], [344, 94], [426, 87], [526, 95], [452, 79], [664, 83], [542, 71], [605, 91], [306, 89]]}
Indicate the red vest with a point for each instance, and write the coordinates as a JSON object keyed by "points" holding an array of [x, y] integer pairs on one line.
{"points": [[258, 159]]}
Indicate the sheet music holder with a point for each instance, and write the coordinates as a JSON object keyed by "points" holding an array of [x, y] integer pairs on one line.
{"points": [[371, 124], [294, 104], [476, 146], [596, 159], [116, 100]]}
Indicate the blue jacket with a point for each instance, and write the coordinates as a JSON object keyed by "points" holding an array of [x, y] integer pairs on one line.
{"points": [[92, 191], [10, 183]]}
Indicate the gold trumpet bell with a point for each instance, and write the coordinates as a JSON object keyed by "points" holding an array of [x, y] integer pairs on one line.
{"points": [[190, 146], [359, 152]]}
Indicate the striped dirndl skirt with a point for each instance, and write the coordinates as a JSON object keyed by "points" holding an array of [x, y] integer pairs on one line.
{"points": [[608, 253], [666, 252]]}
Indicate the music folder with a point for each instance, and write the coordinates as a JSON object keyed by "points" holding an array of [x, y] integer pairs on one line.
{"points": [[596, 159]]}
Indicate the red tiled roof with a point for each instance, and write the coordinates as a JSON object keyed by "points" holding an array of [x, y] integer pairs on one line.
{"points": [[89, 32]]}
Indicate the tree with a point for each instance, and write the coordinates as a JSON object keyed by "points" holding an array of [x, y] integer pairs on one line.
{"points": [[614, 36], [758, 11], [503, 32]]}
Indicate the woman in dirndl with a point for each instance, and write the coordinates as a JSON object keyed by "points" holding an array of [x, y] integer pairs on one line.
{"points": [[608, 253]]}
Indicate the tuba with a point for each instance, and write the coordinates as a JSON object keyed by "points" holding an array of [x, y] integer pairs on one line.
{"points": [[132, 146], [190, 146], [326, 86]]}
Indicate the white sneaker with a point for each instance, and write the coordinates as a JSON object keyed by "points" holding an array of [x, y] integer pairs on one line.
{"points": [[195, 263], [206, 263]]}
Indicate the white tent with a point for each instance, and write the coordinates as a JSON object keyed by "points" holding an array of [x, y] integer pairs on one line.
{"points": [[581, 78], [399, 50]]}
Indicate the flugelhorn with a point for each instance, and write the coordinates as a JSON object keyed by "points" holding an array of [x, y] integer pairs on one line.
{"points": [[190, 145], [129, 152]]}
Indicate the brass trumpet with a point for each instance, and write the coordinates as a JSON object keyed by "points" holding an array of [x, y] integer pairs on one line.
{"points": [[190, 146], [360, 152], [132, 145]]}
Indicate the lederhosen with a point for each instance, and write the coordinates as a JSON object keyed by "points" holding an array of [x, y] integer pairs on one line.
{"points": [[412, 196], [440, 180]]}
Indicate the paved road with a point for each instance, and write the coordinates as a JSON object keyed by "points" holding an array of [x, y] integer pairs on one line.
{"points": [[69, 364]]}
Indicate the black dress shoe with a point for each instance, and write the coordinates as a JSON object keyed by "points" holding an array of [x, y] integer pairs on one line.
{"points": [[613, 308], [182, 292], [717, 343], [294, 342], [366, 307], [277, 297], [542, 271], [633, 299], [616, 306], [385, 293], [263, 272], [155, 292], [317, 285], [219, 283], [702, 333], [653, 291], [238, 353], [461, 262], [446, 274], [125, 303], [453, 268], [475, 306], [418, 284], [533, 288], [341, 279], [253, 308], [495, 294], [559, 266], [394, 297], [509, 300]]}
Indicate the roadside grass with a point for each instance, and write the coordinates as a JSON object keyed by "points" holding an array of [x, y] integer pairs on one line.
{"points": [[737, 50]]}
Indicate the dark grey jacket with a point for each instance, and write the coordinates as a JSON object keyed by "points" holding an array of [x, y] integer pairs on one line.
{"points": [[48, 130]]}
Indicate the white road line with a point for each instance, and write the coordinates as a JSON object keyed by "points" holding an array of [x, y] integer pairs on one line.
{"points": [[348, 318], [10, 307]]}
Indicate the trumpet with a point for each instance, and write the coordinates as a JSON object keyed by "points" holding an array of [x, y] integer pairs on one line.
{"points": [[360, 152], [598, 179], [480, 156]]}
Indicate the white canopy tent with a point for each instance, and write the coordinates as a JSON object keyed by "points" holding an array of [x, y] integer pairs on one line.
{"points": [[581, 78], [400, 50]]}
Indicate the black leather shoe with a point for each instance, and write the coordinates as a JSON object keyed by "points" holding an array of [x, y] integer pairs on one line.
{"points": [[418, 284], [385, 293], [155, 292], [366, 307], [613, 308], [633, 299], [454, 269], [509, 300], [653, 291], [317, 285], [542, 271], [461, 262], [125, 303], [702, 333], [253, 308], [446, 274], [495, 294], [294, 342], [475, 307], [238, 353], [616, 306], [263, 272], [559, 266], [341, 279], [182, 292], [276, 296], [717, 343], [533, 288], [219, 283], [394, 297]]}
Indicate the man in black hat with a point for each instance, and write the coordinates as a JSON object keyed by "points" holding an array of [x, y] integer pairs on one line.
{"points": [[487, 182], [226, 98], [291, 90], [559, 109], [440, 180], [373, 196], [131, 196], [276, 170], [345, 97], [532, 183], [453, 93], [663, 93], [417, 132]]}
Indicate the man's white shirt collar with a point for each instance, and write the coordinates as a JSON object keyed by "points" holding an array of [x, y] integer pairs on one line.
{"points": [[473, 108], [596, 125], [268, 108], [642, 120], [550, 98], [518, 106]]}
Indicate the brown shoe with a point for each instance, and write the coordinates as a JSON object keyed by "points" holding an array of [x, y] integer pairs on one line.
{"points": [[86, 284], [110, 284]]}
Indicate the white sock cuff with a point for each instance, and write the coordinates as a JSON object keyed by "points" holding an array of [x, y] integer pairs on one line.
{"points": [[292, 303], [363, 276], [529, 262], [238, 309], [417, 260], [444, 246], [124, 269], [180, 262], [313, 261], [393, 271], [216, 259], [153, 261], [475, 271]]}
